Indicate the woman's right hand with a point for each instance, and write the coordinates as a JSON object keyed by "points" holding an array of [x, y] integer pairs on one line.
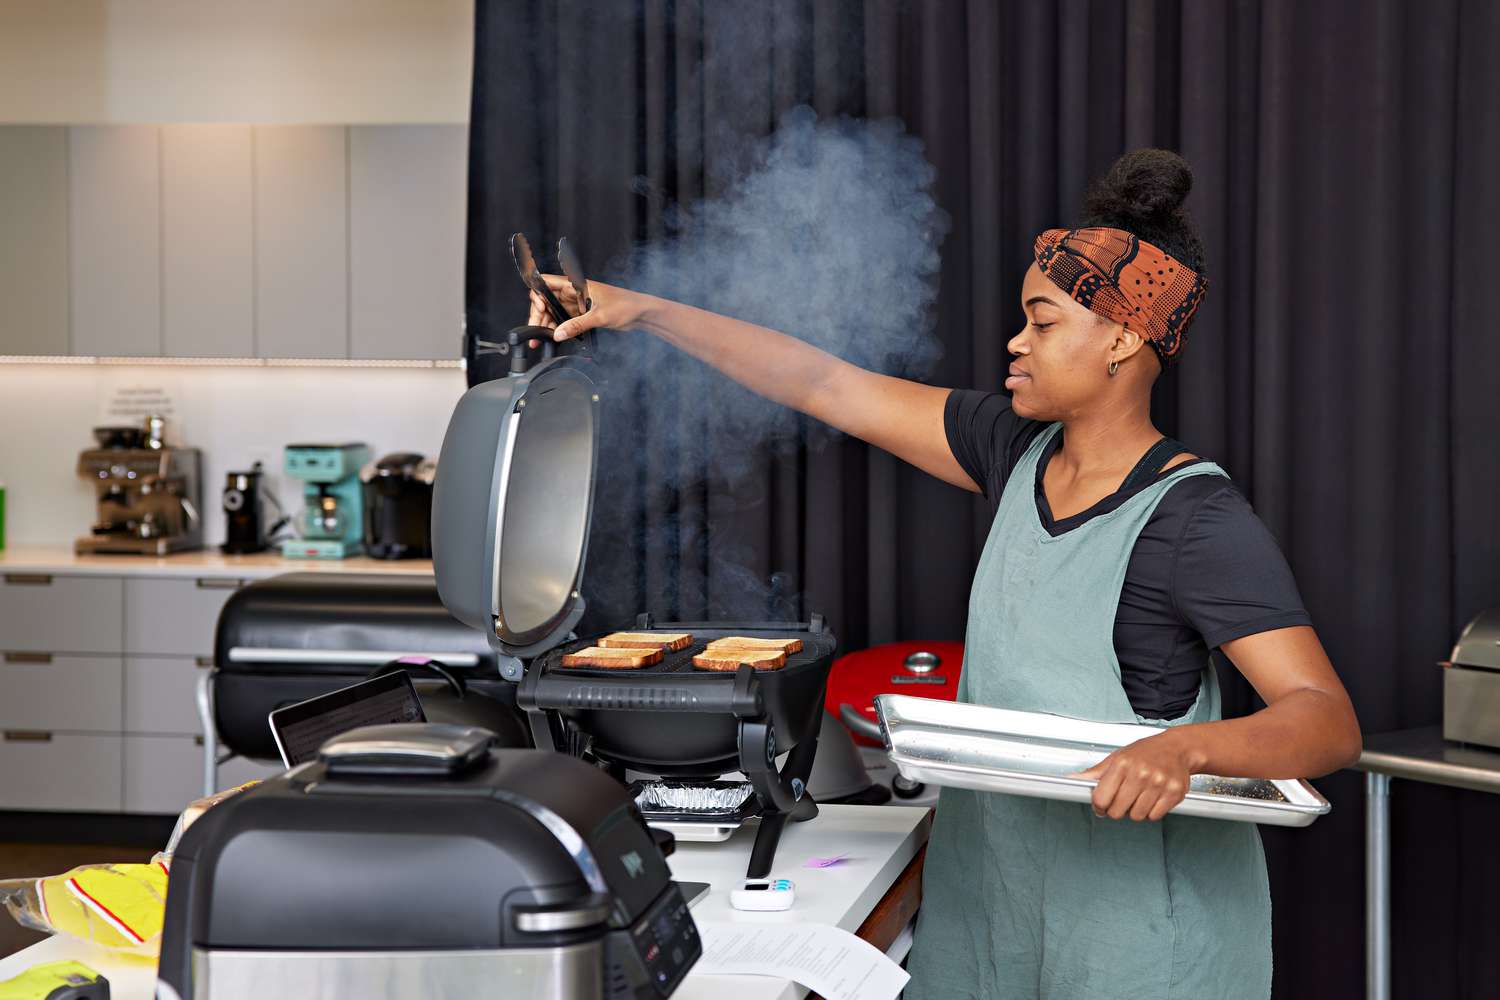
{"points": [[615, 308]]}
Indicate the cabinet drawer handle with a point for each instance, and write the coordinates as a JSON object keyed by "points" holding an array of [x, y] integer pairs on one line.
{"points": [[217, 583], [203, 661], [27, 736], [29, 579], [28, 657]]}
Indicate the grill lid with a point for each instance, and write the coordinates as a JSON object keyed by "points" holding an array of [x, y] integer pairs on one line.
{"points": [[1479, 643], [512, 504]]}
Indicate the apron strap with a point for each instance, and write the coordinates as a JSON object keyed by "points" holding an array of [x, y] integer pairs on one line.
{"points": [[1150, 464]]}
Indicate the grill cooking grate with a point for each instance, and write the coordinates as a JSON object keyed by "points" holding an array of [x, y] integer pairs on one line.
{"points": [[815, 646]]}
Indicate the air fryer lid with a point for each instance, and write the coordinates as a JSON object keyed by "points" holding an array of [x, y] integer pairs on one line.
{"points": [[517, 474]]}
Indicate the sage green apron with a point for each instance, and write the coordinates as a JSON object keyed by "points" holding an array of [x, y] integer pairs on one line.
{"points": [[1027, 897]]}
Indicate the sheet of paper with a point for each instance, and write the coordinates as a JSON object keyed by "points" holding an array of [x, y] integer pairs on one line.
{"points": [[831, 962]]}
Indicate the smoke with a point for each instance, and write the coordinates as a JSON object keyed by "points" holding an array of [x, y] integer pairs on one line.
{"points": [[827, 231], [830, 233]]}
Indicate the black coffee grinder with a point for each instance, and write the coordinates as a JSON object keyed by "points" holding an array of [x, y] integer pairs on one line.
{"points": [[245, 510]]}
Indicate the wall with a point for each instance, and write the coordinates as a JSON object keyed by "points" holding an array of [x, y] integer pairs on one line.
{"points": [[268, 61], [234, 415]]}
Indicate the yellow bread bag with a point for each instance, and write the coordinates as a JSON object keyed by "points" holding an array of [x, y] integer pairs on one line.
{"points": [[119, 907], [116, 906]]}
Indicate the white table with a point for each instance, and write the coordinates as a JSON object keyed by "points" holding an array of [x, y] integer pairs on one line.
{"points": [[880, 842]]}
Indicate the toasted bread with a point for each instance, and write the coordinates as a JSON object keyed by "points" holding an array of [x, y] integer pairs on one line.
{"points": [[730, 659], [670, 641], [612, 659], [785, 645]]}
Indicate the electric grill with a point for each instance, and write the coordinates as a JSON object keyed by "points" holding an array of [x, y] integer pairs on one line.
{"points": [[415, 861], [512, 506], [1471, 683]]}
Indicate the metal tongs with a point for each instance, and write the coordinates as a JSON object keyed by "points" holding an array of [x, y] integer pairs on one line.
{"points": [[518, 339]]}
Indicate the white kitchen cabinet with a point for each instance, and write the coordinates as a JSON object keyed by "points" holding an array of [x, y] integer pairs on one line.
{"points": [[42, 613], [407, 199], [174, 616], [98, 690], [52, 770], [229, 240], [42, 691], [301, 241], [206, 196], [162, 773], [34, 239], [114, 239], [161, 694]]}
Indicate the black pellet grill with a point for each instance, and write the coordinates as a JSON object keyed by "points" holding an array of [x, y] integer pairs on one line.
{"points": [[512, 507]]}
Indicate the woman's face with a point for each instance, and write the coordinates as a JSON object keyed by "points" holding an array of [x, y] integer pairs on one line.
{"points": [[1062, 353]]}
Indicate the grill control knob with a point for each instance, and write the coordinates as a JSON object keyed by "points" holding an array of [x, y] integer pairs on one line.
{"points": [[922, 662]]}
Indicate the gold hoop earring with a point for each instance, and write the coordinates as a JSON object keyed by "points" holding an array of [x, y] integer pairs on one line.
{"points": [[1114, 366]]}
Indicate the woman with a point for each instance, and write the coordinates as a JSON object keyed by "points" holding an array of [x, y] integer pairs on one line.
{"points": [[1115, 562]]}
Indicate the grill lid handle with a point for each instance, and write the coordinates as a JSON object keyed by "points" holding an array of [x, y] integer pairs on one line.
{"points": [[858, 724], [407, 748], [591, 911]]}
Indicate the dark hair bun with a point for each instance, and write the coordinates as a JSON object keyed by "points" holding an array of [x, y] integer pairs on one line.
{"points": [[1144, 183], [1142, 193]]}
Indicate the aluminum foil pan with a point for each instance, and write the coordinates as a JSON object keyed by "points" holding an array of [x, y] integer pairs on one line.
{"points": [[1033, 754], [705, 811]]}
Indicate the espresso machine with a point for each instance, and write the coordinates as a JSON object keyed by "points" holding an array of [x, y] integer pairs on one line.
{"points": [[146, 492], [332, 523]]}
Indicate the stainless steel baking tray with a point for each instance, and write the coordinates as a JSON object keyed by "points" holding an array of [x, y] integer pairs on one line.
{"points": [[1033, 754]]}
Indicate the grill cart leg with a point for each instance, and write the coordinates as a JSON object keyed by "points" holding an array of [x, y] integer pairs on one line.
{"points": [[782, 795], [549, 731], [210, 733], [1377, 886], [763, 853]]}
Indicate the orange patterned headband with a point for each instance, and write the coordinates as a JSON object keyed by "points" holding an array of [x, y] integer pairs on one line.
{"points": [[1124, 278]]}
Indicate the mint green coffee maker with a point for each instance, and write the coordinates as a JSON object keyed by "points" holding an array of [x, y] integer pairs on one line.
{"points": [[332, 522]]}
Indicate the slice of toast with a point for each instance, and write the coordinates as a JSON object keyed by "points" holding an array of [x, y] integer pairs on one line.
{"points": [[612, 659], [730, 659], [785, 645], [670, 641]]}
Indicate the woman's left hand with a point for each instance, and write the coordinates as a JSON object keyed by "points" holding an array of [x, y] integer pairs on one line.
{"points": [[1143, 780]]}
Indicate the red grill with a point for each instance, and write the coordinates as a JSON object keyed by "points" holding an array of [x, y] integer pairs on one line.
{"points": [[920, 669]]}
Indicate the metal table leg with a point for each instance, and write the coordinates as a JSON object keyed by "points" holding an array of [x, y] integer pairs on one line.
{"points": [[205, 699], [1377, 886]]}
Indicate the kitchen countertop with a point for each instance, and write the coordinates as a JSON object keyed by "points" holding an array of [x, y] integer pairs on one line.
{"points": [[880, 841], [62, 561]]}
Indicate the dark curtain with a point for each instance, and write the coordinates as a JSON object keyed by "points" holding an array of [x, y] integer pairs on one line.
{"points": [[1343, 368]]}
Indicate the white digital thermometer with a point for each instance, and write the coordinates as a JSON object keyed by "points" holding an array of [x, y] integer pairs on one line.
{"points": [[763, 894]]}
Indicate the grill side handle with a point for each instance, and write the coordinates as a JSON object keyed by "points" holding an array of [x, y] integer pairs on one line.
{"points": [[739, 695]]}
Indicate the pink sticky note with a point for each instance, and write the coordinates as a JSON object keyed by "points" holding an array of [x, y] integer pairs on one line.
{"points": [[825, 862]]}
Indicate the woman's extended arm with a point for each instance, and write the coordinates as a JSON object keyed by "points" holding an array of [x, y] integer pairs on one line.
{"points": [[1307, 728], [901, 416]]}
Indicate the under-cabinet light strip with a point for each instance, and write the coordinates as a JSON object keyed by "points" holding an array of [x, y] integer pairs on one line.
{"points": [[27, 359]]}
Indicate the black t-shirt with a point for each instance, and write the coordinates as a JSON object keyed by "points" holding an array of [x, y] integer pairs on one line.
{"points": [[1204, 569]]}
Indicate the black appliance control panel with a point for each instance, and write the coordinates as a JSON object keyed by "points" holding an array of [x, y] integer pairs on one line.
{"points": [[665, 944]]}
